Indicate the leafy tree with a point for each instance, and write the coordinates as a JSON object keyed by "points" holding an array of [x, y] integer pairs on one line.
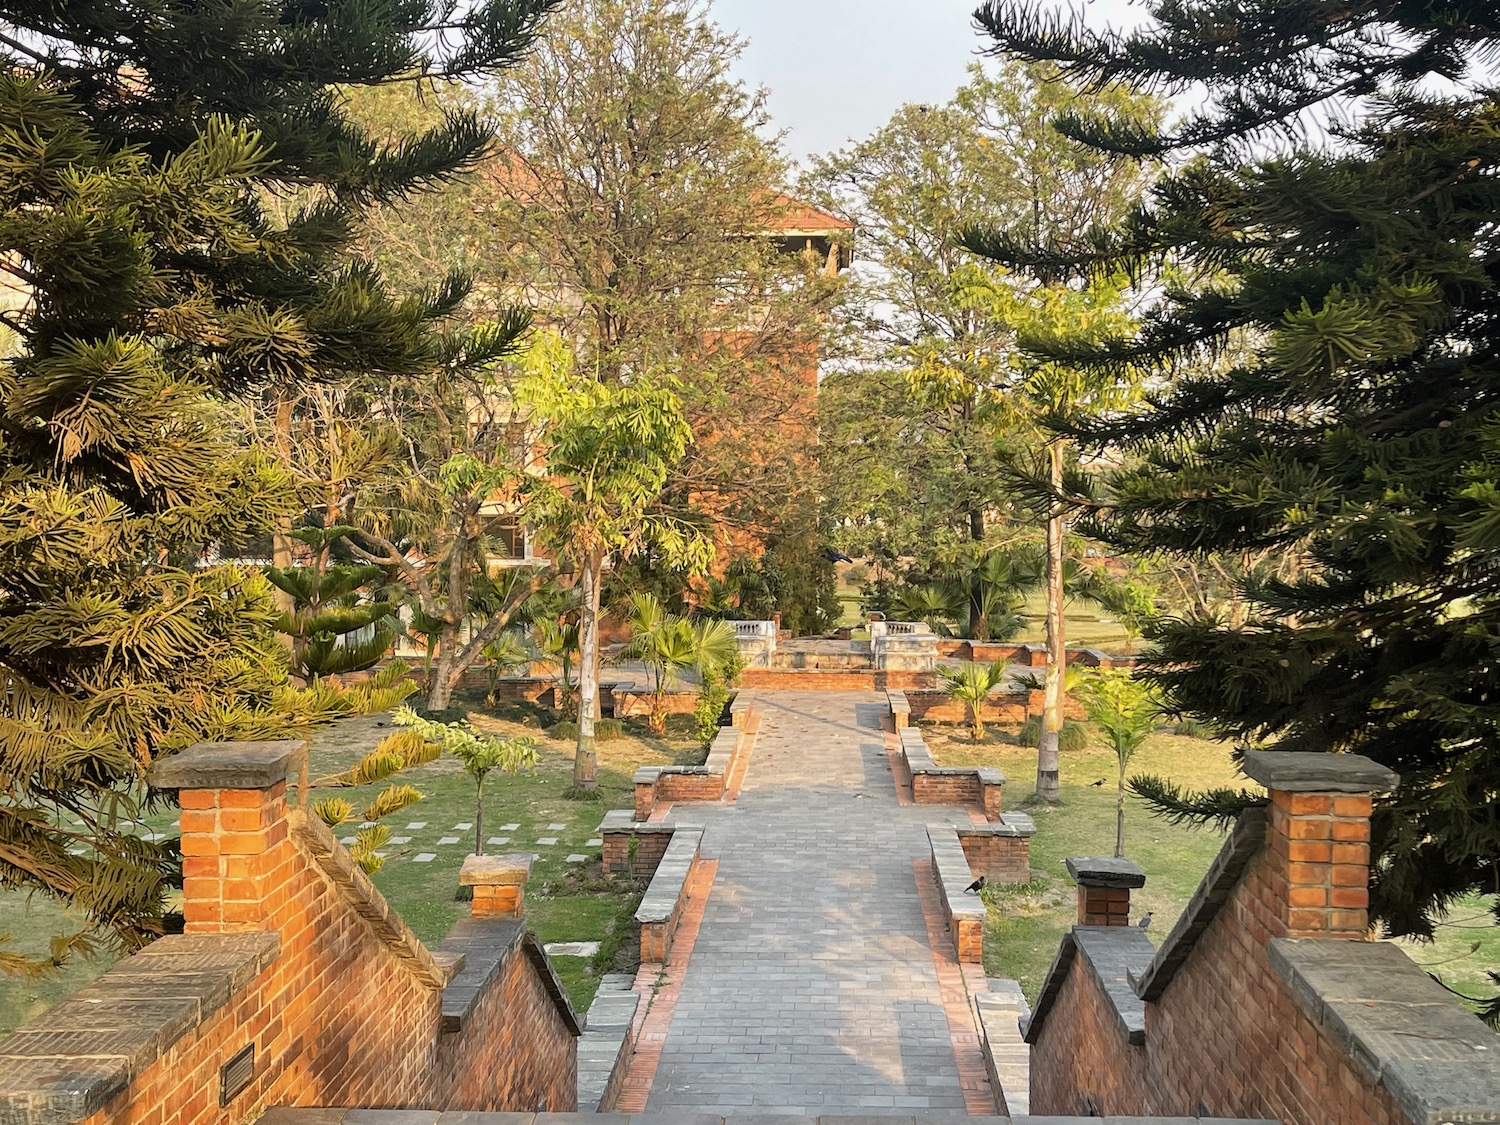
{"points": [[632, 166], [669, 645], [1126, 714], [481, 754], [971, 684], [610, 449], [1360, 428], [141, 147]]}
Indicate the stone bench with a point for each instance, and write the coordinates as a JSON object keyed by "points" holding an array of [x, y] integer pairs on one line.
{"points": [[932, 784], [608, 1039], [661, 907], [656, 785], [900, 708], [965, 912]]}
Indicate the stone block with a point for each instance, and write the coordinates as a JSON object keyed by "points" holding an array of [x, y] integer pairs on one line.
{"points": [[1297, 772], [228, 765]]}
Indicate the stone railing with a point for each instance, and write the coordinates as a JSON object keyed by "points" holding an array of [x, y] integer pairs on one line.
{"points": [[608, 1039], [756, 641], [964, 909]]}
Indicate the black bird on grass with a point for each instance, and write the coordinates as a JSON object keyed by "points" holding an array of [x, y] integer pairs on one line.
{"points": [[1098, 783], [1145, 922], [975, 887]]}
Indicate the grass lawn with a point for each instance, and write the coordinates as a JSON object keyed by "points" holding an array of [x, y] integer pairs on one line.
{"points": [[1025, 924], [1087, 626], [565, 901]]}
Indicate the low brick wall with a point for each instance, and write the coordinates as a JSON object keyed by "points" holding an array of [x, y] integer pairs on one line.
{"points": [[608, 1040], [631, 700], [932, 784], [541, 690], [936, 706], [964, 910], [633, 847], [293, 951], [656, 785], [1001, 852], [781, 679], [662, 906]]}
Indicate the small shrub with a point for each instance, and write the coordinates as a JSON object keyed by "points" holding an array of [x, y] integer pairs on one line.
{"points": [[857, 575], [607, 730], [1192, 728], [1072, 737], [566, 731]]}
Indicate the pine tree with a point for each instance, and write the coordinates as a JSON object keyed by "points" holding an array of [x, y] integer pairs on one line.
{"points": [[1357, 261], [140, 145]]}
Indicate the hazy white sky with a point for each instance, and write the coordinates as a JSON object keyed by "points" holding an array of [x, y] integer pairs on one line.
{"points": [[837, 69]]}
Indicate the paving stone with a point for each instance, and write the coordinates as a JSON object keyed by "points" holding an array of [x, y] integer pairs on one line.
{"points": [[447, 840], [466, 826], [424, 857], [498, 840], [576, 858], [595, 842], [548, 840], [400, 839], [509, 827], [416, 824], [557, 827]]}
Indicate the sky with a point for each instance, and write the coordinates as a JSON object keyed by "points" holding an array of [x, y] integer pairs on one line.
{"points": [[838, 69]]}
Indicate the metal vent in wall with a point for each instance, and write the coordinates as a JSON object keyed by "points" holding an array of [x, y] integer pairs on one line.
{"points": [[235, 1075]]}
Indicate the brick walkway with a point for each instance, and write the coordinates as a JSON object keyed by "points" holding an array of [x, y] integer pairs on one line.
{"points": [[812, 987]]}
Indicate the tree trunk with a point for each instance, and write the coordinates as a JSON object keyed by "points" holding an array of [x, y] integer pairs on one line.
{"points": [[1048, 763], [441, 683], [979, 625], [586, 760], [1120, 819], [479, 816]]}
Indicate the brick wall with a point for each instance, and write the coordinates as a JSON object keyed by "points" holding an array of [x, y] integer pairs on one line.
{"points": [[627, 704], [784, 679], [1000, 859], [935, 706], [649, 848], [1225, 1036], [348, 1012], [946, 789]]}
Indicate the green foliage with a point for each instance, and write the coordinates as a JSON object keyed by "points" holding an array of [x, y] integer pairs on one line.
{"points": [[971, 684], [1125, 712], [147, 156], [669, 646], [1334, 309], [1072, 737], [716, 686], [480, 753], [608, 730]]}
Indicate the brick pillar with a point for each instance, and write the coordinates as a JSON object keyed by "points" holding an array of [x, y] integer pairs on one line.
{"points": [[499, 883], [235, 859], [1318, 838], [1104, 886]]}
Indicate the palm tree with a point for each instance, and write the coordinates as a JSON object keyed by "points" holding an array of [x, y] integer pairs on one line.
{"points": [[669, 645], [559, 640], [511, 651], [935, 604], [971, 684], [1124, 709]]}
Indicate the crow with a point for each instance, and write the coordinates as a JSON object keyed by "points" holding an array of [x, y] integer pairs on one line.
{"points": [[975, 887], [1098, 783], [834, 556], [1145, 922]]}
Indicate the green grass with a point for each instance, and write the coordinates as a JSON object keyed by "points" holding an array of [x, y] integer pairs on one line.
{"points": [[564, 902], [1087, 626], [1025, 925]]}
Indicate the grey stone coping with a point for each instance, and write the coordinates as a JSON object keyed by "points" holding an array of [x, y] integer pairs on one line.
{"points": [[285, 1116], [1009, 824], [1244, 843], [953, 872], [606, 1038], [1110, 954], [647, 775], [1298, 772], [485, 944], [1437, 1060], [898, 702], [991, 775], [228, 765], [509, 870], [80, 1053], [1105, 871], [623, 820], [665, 889]]}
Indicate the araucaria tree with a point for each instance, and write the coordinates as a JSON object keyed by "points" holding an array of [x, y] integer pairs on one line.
{"points": [[1363, 429], [138, 147]]}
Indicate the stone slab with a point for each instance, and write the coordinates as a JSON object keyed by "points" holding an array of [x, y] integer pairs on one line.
{"points": [[1105, 871], [228, 765], [1298, 772]]}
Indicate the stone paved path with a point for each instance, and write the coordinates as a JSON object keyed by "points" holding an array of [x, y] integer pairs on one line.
{"points": [[811, 987]]}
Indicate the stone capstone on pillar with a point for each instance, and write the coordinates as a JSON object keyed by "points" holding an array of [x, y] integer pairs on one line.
{"points": [[499, 883], [1104, 886]]}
